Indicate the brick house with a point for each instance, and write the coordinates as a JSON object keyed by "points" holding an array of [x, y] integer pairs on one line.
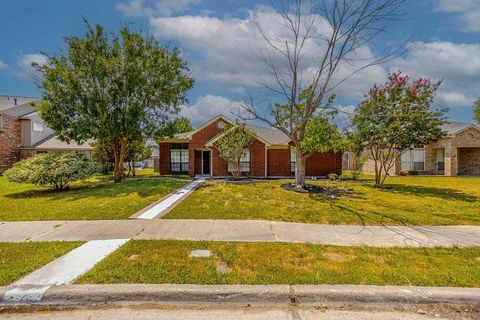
{"points": [[270, 154], [456, 154], [23, 133]]}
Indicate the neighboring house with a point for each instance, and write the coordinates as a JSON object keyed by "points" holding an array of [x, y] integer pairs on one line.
{"points": [[270, 154], [23, 133], [456, 154]]}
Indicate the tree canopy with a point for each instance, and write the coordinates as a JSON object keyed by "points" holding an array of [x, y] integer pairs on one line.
{"points": [[395, 117], [477, 111], [118, 88], [177, 125]]}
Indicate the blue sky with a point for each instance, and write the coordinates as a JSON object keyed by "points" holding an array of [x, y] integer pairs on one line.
{"points": [[214, 39]]}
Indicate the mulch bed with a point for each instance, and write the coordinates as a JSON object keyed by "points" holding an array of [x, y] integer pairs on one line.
{"points": [[330, 193]]}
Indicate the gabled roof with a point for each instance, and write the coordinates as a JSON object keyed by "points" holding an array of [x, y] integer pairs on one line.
{"points": [[452, 128], [21, 109], [53, 143]]}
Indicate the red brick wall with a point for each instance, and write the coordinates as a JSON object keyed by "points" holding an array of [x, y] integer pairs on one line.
{"points": [[164, 160], [198, 142], [278, 162], [257, 159], [10, 140], [319, 164]]}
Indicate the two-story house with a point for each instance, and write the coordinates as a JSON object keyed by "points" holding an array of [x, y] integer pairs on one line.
{"points": [[23, 133]]}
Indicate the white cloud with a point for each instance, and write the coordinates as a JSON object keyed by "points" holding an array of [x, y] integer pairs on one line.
{"points": [[208, 107], [229, 49], [25, 69], [458, 65], [469, 11], [3, 65], [137, 8]]}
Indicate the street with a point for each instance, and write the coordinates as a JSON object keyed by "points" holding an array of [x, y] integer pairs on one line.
{"points": [[227, 312]]}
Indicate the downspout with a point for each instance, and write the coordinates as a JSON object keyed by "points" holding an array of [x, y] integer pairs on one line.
{"points": [[211, 161], [266, 161]]}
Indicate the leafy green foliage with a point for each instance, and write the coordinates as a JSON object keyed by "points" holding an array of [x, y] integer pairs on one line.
{"points": [[232, 143], [321, 136], [395, 117], [102, 153], [175, 126], [118, 88], [477, 111], [56, 170], [137, 151]]}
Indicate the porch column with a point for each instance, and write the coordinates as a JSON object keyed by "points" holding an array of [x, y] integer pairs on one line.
{"points": [[451, 161]]}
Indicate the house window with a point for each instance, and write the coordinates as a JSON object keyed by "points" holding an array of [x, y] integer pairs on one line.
{"points": [[440, 159], [414, 159], [293, 160], [244, 162], [179, 160], [38, 127]]}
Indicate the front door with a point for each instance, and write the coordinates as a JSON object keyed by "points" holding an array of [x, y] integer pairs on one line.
{"points": [[206, 162]]}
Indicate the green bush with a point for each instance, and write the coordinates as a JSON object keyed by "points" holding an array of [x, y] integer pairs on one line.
{"points": [[56, 170], [344, 177], [404, 173], [333, 176], [356, 174]]}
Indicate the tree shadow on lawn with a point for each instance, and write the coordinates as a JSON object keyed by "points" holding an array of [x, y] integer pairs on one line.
{"points": [[143, 187], [422, 191]]}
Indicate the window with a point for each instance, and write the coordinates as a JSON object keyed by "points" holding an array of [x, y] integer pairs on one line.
{"points": [[244, 162], [440, 159], [38, 127], [179, 160], [293, 160], [414, 159]]}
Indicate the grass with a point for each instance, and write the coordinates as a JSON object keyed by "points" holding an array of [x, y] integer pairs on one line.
{"points": [[168, 261], [93, 199], [19, 259], [405, 201]]}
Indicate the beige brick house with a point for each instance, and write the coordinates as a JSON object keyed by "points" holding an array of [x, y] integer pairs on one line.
{"points": [[456, 154], [23, 133]]}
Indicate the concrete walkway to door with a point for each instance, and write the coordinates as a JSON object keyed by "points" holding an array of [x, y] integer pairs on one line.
{"points": [[241, 231]]}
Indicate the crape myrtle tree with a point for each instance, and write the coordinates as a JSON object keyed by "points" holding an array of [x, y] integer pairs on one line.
{"points": [[231, 145], [320, 47], [395, 117], [117, 88]]}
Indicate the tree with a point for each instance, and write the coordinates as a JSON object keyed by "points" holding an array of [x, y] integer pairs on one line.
{"points": [[114, 88], [56, 170], [319, 39], [102, 153], [231, 145], [394, 118], [175, 126], [137, 151], [477, 111]]}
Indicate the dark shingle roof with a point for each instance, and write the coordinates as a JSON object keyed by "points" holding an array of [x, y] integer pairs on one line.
{"points": [[21, 109]]}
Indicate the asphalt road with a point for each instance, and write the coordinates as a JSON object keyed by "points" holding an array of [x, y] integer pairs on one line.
{"points": [[223, 312]]}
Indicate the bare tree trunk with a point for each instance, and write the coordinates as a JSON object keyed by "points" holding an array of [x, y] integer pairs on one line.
{"points": [[300, 170]]}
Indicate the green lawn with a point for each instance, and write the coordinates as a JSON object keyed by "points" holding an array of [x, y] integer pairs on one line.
{"points": [[94, 199], [19, 259], [281, 263], [414, 200]]}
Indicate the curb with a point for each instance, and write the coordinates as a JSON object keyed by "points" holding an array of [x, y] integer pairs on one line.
{"points": [[248, 294]]}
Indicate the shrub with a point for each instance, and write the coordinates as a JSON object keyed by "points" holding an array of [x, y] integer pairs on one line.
{"points": [[332, 176], [413, 173], [56, 170], [356, 174], [344, 177], [404, 172]]}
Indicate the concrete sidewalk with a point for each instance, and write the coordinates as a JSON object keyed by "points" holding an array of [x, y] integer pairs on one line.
{"points": [[240, 231]]}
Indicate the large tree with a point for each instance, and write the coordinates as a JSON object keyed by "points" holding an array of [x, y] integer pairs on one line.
{"points": [[118, 88], [177, 125], [323, 43], [395, 117]]}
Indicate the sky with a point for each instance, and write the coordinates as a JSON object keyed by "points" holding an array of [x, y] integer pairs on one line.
{"points": [[221, 43]]}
